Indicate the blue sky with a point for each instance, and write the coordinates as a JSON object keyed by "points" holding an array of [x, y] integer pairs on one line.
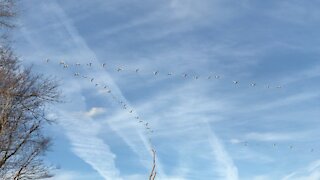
{"points": [[203, 128]]}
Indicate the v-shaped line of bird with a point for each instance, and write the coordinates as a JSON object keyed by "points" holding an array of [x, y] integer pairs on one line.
{"points": [[158, 73], [144, 123], [125, 107], [106, 88]]}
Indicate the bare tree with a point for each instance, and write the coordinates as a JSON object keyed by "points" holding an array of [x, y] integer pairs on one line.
{"points": [[23, 97], [6, 13], [23, 100]]}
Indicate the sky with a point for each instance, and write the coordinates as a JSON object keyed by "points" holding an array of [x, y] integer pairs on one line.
{"points": [[229, 89]]}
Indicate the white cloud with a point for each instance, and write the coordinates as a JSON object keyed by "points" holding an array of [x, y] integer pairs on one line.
{"points": [[226, 166], [81, 130], [72, 175], [196, 12], [305, 74], [83, 133], [177, 117], [235, 141], [272, 136], [178, 112], [261, 177], [95, 111], [285, 101], [311, 172]]}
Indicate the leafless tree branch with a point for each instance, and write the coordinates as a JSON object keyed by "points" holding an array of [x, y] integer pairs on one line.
{"points": [[7, 13], [23, 100], [153, 171]]}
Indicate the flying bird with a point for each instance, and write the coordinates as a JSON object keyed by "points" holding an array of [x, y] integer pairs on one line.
{"points": [[253, 84], [91, 79], [119, 69], [235, 82], [103, 64], [156, 72], [185, 75], [47, 60]]}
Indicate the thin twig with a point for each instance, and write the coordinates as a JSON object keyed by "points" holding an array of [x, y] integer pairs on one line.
{"points": [[153, 171]]}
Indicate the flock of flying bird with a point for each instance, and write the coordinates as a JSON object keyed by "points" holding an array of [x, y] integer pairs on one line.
{"points": [[125, 107], [156, 73], [109, 91]]}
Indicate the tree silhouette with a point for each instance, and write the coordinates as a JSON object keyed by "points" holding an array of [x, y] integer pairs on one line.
{"points": [[23, 100]]}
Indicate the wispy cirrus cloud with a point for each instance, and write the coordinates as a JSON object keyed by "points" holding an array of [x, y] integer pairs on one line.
{"points": [[227, 168], [311, 172], [193, 120], [273, 136], [187, 126], [72, 175], [82, 131]]}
